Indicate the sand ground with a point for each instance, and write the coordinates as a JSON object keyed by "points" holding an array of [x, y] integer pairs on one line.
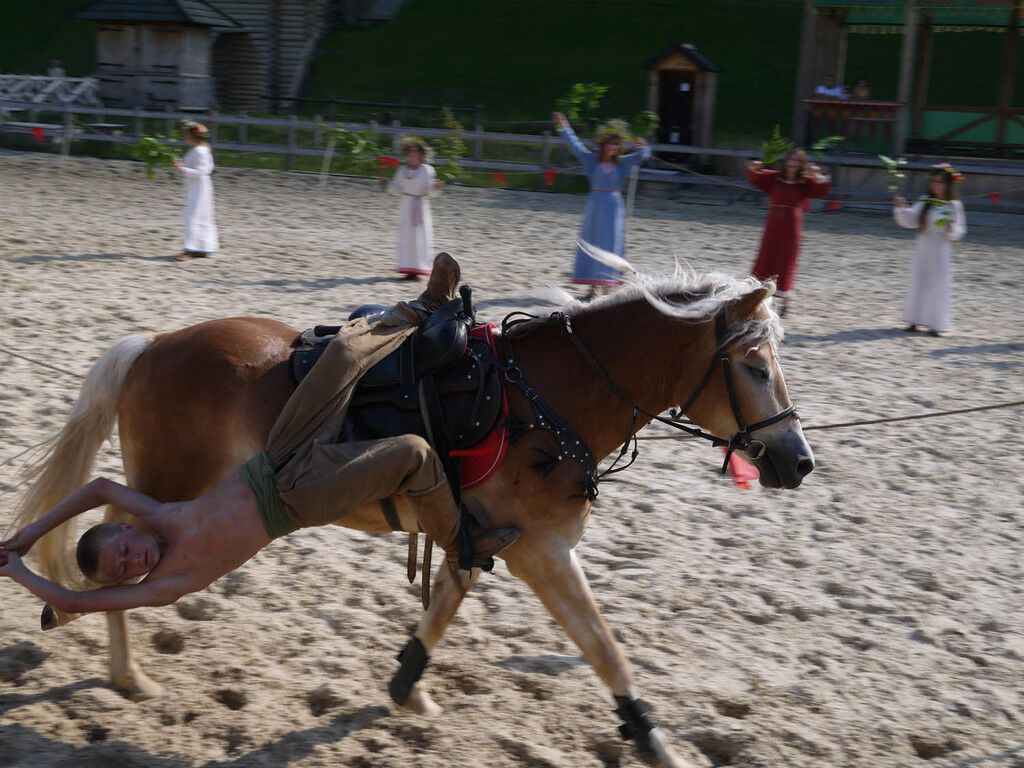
{"points": [[871, 618]]}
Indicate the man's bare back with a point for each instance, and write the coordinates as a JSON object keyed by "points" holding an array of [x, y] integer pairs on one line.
{"points": [[179, 547]]}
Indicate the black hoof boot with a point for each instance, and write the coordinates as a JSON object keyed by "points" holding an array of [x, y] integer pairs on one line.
{"points": [[636, 724], [413, 660]]}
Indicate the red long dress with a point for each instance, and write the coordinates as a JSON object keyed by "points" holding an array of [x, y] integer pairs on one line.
{"points": [[780, 241]]}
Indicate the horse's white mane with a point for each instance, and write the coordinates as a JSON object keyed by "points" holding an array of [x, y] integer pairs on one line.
{"points": [[710, 292]]}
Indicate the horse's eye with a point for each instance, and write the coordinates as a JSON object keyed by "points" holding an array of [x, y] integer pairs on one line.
{"points": [[759, 372]]}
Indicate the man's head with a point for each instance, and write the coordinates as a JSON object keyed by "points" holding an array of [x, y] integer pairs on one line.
{"points": [[111, 553]]}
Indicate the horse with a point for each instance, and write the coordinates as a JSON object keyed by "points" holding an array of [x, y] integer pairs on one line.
{"points": [[193, 404]]}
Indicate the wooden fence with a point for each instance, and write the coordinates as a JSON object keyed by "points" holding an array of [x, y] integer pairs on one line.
{"points": [[856, 178]]}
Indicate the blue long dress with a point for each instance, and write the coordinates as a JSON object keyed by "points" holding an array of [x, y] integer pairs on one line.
{"points": [[604, 213]]}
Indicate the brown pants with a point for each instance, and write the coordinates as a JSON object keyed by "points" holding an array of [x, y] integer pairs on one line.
{"points": [[320, 481]]}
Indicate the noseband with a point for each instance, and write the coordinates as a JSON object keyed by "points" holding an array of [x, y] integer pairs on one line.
{"points": [[743, 439]]}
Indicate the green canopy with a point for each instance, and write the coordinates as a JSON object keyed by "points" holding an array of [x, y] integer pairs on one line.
{"points": [[886, 16]]}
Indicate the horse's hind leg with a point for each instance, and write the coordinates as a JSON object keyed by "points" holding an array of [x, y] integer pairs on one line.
{"points": [[555, 575], [445, 599]]}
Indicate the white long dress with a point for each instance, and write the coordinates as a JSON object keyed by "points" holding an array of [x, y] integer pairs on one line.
{"points": [[415, 224], [200, 230], [928, 302]]}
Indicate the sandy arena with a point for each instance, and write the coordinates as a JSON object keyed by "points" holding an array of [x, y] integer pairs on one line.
{"points": [[872, 618]]}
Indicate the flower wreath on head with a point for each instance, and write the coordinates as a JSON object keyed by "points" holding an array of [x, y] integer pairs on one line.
{"points": [[196, 129], [405, 143], [950, 171], [616, 129]]}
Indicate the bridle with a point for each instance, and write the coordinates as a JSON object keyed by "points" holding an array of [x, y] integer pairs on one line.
{"points": [[742, 440]]}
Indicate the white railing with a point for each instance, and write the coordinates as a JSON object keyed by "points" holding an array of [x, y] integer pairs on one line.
{"points": [[40, 89]]}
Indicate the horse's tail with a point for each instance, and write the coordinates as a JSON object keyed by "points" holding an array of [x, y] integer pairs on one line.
{"points": [[68, 460]]}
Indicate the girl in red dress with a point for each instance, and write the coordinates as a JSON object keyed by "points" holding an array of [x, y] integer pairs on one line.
{"points": [[788, 189]]}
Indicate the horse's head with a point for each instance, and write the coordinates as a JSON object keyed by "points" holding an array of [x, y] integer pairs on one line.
{"points": [[743, 396]]}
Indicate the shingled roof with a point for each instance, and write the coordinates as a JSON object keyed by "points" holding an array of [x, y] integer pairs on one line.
{"points": [[690, 51], [197, 12]]}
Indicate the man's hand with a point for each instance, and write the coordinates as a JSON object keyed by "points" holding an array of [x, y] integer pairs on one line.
{"points": [[22, 541], [10, 564]]}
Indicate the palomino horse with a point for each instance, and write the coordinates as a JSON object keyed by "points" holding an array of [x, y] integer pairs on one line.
{"points": [[708, 344]]}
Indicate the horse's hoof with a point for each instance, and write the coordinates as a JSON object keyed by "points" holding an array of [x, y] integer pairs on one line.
{"points": [[656, 752], [421, 703], [136, 686]]}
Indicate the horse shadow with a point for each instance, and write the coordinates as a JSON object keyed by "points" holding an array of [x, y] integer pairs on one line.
{"points": [[851, 336], [47, 258], [1001, 758], [298, 744], [24, 746], [302, 285], [542, 664]]}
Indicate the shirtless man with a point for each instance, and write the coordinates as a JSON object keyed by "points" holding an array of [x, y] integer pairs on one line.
{"points": [[302, 479]]}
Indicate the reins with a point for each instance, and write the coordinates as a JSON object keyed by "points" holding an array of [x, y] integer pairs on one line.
{"points": [[741, 440]]}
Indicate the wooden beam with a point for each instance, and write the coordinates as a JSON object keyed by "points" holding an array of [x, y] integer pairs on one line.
{"points": [[925, 44], [805, 73], [906, 76], [1009, 65]]}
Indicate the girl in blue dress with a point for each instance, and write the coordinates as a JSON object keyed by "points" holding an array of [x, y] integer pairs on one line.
{"points": [[604, 214]]}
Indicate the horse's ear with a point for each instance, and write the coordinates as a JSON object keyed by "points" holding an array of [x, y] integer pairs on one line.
{"points": [[745, 305]]}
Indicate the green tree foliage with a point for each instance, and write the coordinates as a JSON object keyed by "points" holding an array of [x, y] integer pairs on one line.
{"points": [[451, 147], [154, 153]]}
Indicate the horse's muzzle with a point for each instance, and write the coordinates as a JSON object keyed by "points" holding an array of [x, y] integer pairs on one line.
{"points": [[783, 465]]}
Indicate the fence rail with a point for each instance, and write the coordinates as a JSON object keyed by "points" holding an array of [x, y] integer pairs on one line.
{"points": [[854, 176]]}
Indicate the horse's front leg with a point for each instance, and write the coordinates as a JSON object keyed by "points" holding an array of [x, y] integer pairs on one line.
{"points": [[405, 687], [126, 675], [557, 578]]}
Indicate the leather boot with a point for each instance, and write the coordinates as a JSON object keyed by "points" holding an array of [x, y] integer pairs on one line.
{"points": [[443, 283], [457, 532]]}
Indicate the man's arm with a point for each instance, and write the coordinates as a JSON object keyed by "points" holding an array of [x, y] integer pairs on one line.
{"points": [[91, 495], [121, 598]]}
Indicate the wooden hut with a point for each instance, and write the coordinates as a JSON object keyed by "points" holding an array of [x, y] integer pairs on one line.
{"points": [[156, 54], [681, 90], [909, 122]]}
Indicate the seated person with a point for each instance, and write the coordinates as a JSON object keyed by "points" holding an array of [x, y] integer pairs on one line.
{"points": [[829, 89], [302, 479]]}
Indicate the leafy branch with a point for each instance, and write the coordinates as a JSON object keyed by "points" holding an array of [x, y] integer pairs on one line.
{"points": [[359, 149], [775, 147], [155, 154], [826, 143], [581, 103], [451, 147], [894, 170]]}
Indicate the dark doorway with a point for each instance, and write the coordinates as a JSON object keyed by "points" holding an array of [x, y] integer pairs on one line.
{"points": [[675, 107]]}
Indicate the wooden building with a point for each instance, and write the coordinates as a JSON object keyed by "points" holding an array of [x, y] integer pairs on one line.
{"points": [[204, 54], [681, 90], [909, 122]]}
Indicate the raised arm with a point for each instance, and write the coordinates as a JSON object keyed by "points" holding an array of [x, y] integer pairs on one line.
{"points": [[816, 184], [577, 147], [93, 494], [760, 176], [149, 593], [633, 159]]}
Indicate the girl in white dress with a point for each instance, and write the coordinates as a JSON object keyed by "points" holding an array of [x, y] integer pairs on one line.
{"points": [[415, 181], [940, 222], [200, 230]]}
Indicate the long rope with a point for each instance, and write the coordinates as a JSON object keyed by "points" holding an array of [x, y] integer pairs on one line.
{"points": [[57, 368], [869, 422]]}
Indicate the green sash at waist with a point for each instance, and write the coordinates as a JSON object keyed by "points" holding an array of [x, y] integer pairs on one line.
{"points": [[258, 473]]}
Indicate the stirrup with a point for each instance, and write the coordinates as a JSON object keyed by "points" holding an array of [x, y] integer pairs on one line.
{"points": [[469, 534]]}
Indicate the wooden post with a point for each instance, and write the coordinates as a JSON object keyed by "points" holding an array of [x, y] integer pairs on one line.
{"points": [[924, 70], [478, 126], [243, 129], [69, 123], [545, 151], [1006, 78], [805, 73], [140, 123], [168, 124], [318, 133], [213, 127], [906, 80], [291, 143]]}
